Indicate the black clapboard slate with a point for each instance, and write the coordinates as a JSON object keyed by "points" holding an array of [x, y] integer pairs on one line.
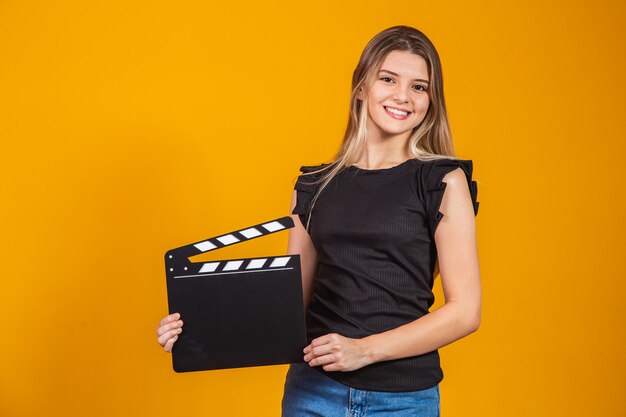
{"points": [[236, 312]]}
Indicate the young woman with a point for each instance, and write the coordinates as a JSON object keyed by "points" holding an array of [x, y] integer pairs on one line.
{"points": [[373, 229]]}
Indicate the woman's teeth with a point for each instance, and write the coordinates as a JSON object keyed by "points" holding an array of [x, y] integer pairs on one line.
{"points": [[396, 112]]}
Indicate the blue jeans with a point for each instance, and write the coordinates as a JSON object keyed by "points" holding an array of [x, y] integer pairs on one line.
{"points": [[308, 392]]}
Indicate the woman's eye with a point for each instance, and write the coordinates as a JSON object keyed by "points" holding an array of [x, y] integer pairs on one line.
{"points": [[420, 87], [386, 79]]}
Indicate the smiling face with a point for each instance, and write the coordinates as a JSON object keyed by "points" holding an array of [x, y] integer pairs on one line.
{"points": [[398, 98]]}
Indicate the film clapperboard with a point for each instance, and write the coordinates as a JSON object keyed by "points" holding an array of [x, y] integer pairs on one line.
{"points": [[236, 312]]}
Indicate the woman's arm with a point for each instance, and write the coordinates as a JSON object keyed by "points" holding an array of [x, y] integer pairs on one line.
{"points": [[300, 243], [455, 238]]}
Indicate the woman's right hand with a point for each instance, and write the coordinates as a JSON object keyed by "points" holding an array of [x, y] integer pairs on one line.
{"points": [[169, 329]]}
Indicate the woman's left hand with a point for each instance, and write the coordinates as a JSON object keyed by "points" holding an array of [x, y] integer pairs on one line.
{"points": [[337, 353]]}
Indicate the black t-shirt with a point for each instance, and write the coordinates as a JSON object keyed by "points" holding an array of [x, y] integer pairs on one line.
{"points": [[374, 235]]}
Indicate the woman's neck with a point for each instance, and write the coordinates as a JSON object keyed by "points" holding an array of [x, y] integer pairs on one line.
{"points": [[383, 154]]}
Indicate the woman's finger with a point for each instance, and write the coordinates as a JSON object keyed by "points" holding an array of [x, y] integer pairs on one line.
{"points": [[319, 351], [322, 340], [169, 326], [168, 319], [163, 339], [170, 344], [322, 360]]}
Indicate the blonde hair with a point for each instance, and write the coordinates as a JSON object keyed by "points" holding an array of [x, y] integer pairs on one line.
{"points": [[431, 139]]}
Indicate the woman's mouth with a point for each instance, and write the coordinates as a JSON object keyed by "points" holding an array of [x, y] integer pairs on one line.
{"points": [[397, 113]]}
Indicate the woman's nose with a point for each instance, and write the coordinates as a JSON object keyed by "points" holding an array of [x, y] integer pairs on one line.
{"points": [[400, 94]]}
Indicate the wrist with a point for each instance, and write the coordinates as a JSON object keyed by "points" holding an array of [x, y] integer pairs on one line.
{"points": [[371, 352]]}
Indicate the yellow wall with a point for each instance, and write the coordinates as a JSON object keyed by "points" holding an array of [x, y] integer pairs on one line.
{"points": [[131, 127]]}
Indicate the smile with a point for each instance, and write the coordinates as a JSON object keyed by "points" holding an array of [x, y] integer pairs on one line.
{"points": [[397, 113]]}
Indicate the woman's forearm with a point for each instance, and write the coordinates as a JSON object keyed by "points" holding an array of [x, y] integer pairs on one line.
{"points": [[450, 322]]}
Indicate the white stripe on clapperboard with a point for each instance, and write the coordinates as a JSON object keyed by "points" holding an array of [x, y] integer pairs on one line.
{"points": [[229, 238], [233, 267]]}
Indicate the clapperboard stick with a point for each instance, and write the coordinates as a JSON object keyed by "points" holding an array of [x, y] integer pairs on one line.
{"points": [[179, 266]]}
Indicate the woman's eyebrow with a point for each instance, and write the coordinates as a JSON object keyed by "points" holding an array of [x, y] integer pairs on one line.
{"points": [[396, 75]]}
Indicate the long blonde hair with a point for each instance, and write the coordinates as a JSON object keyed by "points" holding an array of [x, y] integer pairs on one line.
{"points": [[431, 139]]}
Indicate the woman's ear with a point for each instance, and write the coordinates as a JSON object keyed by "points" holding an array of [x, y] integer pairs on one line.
{"points": [[360, 94]]}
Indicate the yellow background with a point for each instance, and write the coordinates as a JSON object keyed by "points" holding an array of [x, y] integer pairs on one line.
{"points": [[131, 127]]}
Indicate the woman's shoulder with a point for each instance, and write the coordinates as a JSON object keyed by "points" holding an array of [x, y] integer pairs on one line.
{"points": [[311, 174], [432, 171], [306, 186], [310, 177], [307, 169], [432, 176], [445, 161]]}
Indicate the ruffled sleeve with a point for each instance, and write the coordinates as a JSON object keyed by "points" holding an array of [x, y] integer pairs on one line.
{"points": [[434, 187], [306, 188]]}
